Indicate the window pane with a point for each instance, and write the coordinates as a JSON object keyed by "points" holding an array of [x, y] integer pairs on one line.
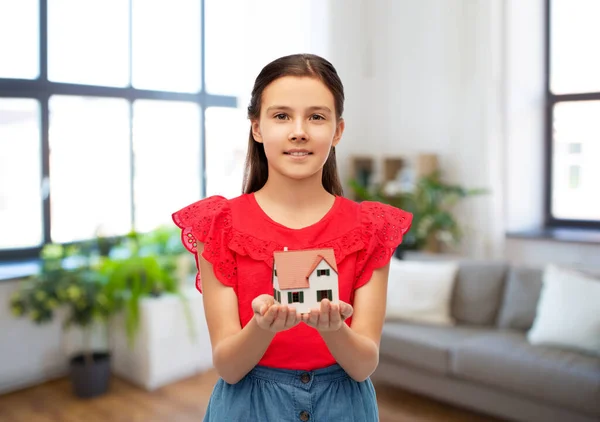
{"points": [[227, 132], [88, 42], [89, 167], [21, 217], [575, 32], [166, 45], [19, 39], [576, 173], [166, 140], [233, 27], [225, 45]]}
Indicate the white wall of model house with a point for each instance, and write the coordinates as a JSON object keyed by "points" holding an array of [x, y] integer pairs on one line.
{"points": [[317, 282]]}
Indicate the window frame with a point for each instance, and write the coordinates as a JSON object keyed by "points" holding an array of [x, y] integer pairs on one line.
{"points": [[328, 294], [551, 100], [296, 297], [41, 89]]}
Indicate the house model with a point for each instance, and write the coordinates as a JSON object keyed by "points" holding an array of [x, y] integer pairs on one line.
{"points": [[303, 278]]}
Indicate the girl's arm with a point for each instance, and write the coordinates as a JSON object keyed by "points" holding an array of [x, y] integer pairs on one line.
{"points": [[235, 350], [356, 348]]}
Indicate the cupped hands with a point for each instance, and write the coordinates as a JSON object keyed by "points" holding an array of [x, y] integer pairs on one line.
{"points": [[273, 316], [328, 316]]}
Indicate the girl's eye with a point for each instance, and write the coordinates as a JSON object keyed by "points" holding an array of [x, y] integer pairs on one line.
{"points": [[317, 117], [281, 116]]}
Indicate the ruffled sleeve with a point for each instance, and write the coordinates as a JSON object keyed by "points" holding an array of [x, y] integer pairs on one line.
{"points": [[208, 221], [383, 227]]}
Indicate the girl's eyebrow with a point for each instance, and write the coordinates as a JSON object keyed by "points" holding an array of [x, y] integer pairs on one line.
{"points": [[286, 108]]}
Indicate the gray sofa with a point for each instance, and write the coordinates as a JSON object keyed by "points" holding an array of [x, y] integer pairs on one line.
{"points": [[485, 362]]}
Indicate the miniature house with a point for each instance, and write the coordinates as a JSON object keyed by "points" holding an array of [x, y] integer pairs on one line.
{"points": [[303, 278]]}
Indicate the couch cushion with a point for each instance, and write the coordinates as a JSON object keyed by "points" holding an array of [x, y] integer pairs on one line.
{"points": [[420, 291], [506, 360], [568, 312], [423, 345], [521, 295], [478, 292]]}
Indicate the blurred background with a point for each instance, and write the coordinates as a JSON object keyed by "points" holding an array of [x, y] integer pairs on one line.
{"points": [[482, 117]]}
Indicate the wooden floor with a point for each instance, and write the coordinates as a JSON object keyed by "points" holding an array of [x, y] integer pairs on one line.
{"points": [[185, 401]]}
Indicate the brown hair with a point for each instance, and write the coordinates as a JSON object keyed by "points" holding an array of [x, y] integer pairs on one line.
{"points": [[256, 170]]}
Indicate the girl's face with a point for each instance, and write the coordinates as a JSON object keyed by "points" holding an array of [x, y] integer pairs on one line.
{"points": [[297, 126]]}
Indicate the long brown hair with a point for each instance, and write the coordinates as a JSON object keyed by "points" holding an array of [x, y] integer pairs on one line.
{"points": [[256, 170]]}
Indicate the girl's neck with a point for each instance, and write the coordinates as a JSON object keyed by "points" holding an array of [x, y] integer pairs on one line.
{"points": [[286, 193]]}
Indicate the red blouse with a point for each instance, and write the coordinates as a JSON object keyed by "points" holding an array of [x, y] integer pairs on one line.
{"points": [[239, 240]]}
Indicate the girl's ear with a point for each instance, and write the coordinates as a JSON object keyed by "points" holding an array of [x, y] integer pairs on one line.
{"points": [[256, 132], [339, 131]]}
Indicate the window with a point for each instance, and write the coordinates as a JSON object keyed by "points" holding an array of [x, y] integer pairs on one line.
{"points": [[21, 216], [573, 122], [295, 297], [324, 294], [322, 272], [112, 130], [98, 127]]}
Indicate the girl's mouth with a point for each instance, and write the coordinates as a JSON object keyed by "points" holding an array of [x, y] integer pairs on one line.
{"points": [[298, 153]]}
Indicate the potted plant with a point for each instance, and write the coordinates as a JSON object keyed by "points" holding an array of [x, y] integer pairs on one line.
{"points": [[154, 338], [144, 265], [430, 201], [70, 279]]}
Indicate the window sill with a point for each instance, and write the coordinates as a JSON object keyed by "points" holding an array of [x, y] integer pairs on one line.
{"points": [[18, 269], [567, 235]]}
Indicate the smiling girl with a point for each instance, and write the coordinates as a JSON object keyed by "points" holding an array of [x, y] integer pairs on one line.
{"points": [[276, 364]]}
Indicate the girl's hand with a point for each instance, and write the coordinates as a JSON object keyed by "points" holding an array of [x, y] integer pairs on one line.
{"points": [[329, 317], [272, 316]]}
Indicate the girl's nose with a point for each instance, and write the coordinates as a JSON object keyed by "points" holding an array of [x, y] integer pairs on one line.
{"points": [[298, 134]]}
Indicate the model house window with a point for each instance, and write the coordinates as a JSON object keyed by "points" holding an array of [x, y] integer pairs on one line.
{"points": [[295, 297], [323, 294], [322, 272], [275, 272], [573, 104], [278, 296]]}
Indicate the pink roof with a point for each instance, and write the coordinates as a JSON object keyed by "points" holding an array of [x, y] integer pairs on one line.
{"points": [[294, 267]]}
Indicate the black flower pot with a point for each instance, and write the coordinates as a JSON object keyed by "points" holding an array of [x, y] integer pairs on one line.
{"points": [[90, 378], [399, 253]]}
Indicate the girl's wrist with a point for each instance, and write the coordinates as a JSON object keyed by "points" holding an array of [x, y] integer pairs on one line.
{"points": [[257, 330], [328, 334]]}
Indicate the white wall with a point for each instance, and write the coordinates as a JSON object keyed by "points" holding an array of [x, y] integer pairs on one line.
{"points": [[524, 63], [426, 77], [28, 353]]}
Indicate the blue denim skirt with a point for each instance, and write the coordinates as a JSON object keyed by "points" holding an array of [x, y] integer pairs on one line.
{"points": [[280, 395]]}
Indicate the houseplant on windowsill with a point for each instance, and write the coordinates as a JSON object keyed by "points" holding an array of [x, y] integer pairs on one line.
{"points": [[431, 201], [70, 285]]}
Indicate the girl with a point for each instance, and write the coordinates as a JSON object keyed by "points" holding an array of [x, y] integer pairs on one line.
{"points": [[276, 364]]}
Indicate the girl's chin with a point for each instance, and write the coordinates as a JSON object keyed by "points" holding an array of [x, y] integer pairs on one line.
{"points": [[300, 173]]}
